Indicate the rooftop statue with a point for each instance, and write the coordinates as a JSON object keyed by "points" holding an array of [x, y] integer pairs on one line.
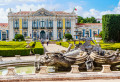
{"points": [[86, 56]]}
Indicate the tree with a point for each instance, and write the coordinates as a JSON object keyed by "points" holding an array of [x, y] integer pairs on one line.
{"points": [[80, 18], [111, 27], [86, 20], [68, 36], [19, 36]]}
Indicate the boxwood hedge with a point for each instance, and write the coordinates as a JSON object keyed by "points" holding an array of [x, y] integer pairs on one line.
{"points": [[38, 48], [9, 52]]}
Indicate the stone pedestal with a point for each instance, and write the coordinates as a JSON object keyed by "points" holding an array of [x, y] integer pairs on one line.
{"points": [[37, 56], [17, 57], [51, 69], [11, 71], [74, 69], [1, 59], [106, 69], [43, 70]]}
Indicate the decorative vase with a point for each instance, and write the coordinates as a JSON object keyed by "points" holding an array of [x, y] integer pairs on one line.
{"points": [[98, 39]]}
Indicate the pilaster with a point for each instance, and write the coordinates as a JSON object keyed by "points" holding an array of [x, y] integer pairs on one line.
{"points": [[10, 26], [30, 27], [55, 29], [73, 25]]}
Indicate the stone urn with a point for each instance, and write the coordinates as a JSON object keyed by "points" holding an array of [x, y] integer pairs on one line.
{"points": [[98, 39], [64, 40]]}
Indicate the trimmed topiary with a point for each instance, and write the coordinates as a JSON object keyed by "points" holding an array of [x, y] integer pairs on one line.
{"points": [[19, 37], [68, 36]]}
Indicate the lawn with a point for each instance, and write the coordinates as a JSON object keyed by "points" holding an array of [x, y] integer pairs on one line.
{"points": [[106, 46]]}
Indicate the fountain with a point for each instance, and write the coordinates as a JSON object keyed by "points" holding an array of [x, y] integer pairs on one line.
{"points": [[85, 56]]}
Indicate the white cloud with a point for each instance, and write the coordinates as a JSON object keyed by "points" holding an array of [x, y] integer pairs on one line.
{"points": [[95, 13], [80, 10]]}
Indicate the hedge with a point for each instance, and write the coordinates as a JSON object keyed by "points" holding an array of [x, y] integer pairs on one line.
{"points": [[9, 52], [111, 27], [106, 46], [38, 49]]}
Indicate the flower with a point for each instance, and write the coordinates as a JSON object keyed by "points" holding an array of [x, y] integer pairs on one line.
{"points": [[96, 35]]}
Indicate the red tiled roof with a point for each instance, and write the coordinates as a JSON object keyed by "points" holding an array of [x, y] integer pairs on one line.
{"points": [[27, 12], [89, 24], [3, 24], [24, 12], [60, 12]]}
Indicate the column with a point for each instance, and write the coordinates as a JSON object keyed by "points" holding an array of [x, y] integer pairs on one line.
{"points": [[55, 29], [10, 26], [64, 24], [20, 25], [30, 27], [73, 25]]}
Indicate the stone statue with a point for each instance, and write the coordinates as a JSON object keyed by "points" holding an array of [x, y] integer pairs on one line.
{"points": [[86, 54], [89, 64]]}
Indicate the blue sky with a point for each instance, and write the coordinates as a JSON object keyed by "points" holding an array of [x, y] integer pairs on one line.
{"points": [[85, 8]]}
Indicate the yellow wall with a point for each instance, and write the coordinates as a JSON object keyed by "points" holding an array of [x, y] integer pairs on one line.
{"points": [[20, 25], [63, 26]]}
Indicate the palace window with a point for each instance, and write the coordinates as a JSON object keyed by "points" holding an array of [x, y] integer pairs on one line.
{"points": [[16, 23], [42, 24], [25, 34], [34, 23], [25, 24], [59, 23], [50, 23], [67, 23]]}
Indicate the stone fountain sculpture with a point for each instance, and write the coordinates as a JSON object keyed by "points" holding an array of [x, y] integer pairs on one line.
{"points": [[86, 56]]}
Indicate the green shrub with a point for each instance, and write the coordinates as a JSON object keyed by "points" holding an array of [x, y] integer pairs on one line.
{"points": [[9, 52], [19, 36], [38, 48], [68, 36]]}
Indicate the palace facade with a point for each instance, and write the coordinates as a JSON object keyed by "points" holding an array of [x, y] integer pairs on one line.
{"points": [[87, 30], [41, 24], [44, 24]]}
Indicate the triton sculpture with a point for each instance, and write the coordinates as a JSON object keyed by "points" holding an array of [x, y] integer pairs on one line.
{"points": [[86, 56]]}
